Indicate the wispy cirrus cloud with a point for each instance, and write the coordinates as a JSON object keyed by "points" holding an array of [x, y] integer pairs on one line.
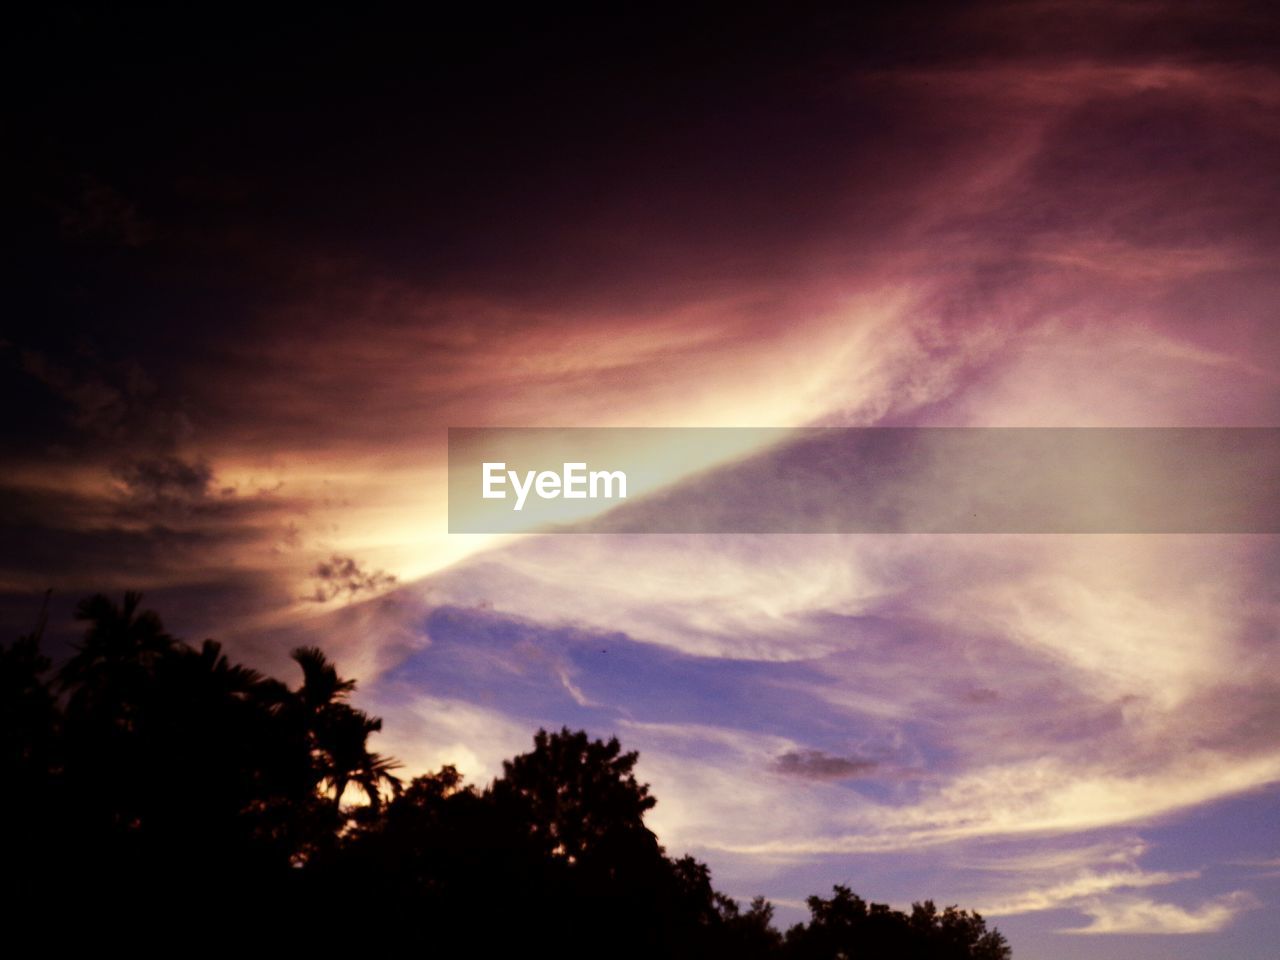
{"points": [[1140, 915]]}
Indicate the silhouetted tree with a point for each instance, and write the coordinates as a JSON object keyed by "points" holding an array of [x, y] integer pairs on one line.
{"points": [[846, 926], [337, 733], [29, 752], [749, 934], [28, 712], [121, 646], [581, 796], [177, 787]]}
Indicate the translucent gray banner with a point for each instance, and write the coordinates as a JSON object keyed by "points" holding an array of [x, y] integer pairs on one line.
{"points": [[865, 480]]}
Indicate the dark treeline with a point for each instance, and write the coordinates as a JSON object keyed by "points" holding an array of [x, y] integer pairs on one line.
{"points": [[155, 788]]}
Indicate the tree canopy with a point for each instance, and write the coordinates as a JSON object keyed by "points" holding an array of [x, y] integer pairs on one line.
{"points": [[159, 780]]}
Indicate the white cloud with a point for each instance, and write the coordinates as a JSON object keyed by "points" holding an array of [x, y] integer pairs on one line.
{"points": [[1082, 885], [425, 733], [1139, 915], [1059, 873]]}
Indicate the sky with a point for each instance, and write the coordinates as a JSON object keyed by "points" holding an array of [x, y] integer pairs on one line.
{"points": [[262, 265]]}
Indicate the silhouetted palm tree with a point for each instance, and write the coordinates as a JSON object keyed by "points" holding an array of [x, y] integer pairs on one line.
{"points": [[338, 733], [343, 740], [218, 674], [119, 648], [321, 685]]}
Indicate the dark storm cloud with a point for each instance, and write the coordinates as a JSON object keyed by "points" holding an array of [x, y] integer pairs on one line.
{"points": [[341, 576], [103, 491], [358, 202], [162, 479], [79, 546], [981, 695], [67, 536], [101, 400], [819, 765]]}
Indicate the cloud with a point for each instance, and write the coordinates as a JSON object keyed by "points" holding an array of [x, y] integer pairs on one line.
{"points": [[1093, 879], [166, 479], [340, 576], [817, 765], [1007, 225], [1057, 858], [1084, 885], [1139, 915], [1035, 798], [710, 790], [425, 733], [1131, 682], [106, 400]]}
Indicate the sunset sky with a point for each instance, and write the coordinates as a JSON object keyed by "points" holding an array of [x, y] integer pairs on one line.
{"points": [[262, 266]]}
